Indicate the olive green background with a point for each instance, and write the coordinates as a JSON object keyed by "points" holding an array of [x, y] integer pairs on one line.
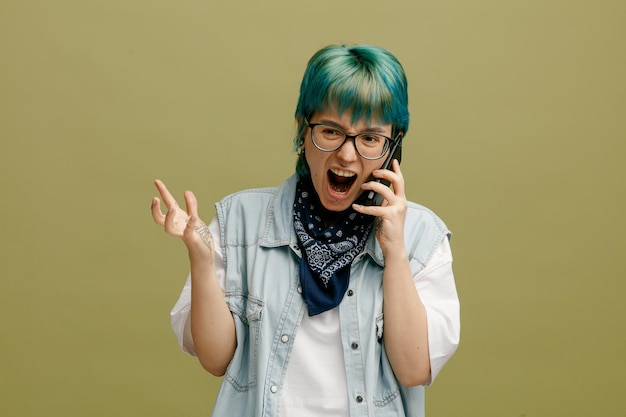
{"points": [[517, 140]]}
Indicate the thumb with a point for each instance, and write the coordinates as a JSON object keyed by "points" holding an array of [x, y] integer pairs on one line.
{"points": [[190, 227]]}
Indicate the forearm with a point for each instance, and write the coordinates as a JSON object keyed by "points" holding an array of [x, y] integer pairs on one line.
{"points": [[212, 325], [406, 328]]}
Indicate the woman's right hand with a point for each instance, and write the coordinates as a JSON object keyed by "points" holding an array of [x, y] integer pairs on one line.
{"points": [[212, 325], [183, 224]]}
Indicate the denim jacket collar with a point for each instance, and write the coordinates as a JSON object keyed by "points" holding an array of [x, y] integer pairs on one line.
{"points": [[279, 229]]}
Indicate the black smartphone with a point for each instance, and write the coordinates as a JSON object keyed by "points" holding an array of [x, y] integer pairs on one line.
{"points": [[372, 198]]}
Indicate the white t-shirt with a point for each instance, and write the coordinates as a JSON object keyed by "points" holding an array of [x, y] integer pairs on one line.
{"points": [[316, 367]]}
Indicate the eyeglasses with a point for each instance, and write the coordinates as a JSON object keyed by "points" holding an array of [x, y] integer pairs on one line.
{"points": [[330, 138]]}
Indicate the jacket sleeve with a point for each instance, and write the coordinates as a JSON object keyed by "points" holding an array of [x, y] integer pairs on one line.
{"points": [[179, 316]]}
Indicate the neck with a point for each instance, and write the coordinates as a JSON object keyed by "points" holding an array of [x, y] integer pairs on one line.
{"points": [[331, 218]]}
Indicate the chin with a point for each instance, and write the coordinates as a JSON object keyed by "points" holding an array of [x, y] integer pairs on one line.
{"points": [[337, 205]]}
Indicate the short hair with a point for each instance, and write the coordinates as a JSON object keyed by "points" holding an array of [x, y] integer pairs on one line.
{"points": [[367, 80]]}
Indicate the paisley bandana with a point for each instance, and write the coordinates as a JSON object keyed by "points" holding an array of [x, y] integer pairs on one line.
{"points": [[328, 252]]}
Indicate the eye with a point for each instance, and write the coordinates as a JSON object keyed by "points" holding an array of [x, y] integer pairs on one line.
{"points": [[330, 132], [371, 140]]}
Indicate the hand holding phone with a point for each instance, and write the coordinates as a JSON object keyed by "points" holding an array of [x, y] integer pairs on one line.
{"points": [[372, 198]]}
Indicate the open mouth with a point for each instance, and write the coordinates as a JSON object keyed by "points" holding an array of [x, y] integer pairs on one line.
{"points": [[340, 181]]}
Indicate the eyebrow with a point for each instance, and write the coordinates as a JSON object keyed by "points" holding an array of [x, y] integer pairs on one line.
{"points": [[370, 129]]}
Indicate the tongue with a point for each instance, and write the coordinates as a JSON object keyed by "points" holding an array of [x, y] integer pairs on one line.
{"points": [[341, 188]]}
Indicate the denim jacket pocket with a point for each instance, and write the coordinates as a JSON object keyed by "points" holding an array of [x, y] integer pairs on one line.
{"points": [[247, 312]]}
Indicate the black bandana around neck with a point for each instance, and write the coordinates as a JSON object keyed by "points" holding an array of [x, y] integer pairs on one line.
{"points": [[327, 251]]}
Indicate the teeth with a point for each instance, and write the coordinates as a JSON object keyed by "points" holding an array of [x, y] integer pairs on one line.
{"points": [[342, 173]]}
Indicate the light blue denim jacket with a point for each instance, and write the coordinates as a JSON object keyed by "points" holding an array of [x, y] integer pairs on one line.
{"points": [[262, 290]]}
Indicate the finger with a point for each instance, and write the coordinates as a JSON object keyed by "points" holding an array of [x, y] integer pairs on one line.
{"points": [[379, 188], [398, 185], [375, 211], [394, 176], [157, 215], [170, 221], [395, 167], [167, 197], [192, 203], [386, 174]]}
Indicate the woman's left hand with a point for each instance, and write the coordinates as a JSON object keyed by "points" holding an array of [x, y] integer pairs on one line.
{"points": [[406, 325], [391, 213]]}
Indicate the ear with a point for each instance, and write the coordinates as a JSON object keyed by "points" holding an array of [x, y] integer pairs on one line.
{"points": [[299, 139]]}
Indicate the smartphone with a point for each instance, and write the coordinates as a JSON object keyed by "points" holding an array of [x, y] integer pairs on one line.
{"points": [[372, 198]]}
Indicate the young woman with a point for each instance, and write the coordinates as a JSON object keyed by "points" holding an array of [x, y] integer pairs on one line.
{"points": [[308, 299]]}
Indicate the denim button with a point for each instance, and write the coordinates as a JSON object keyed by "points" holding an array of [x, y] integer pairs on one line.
{"points": [[299, 290], [359, 399], [274, 389], [284, 338], [355, 345], [350, 293]]}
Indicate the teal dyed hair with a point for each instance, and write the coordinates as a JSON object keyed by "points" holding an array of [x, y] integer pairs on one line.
{"points": [[367, 80]]}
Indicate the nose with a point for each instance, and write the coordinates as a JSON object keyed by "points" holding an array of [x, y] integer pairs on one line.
{"points": [[347, 152]]}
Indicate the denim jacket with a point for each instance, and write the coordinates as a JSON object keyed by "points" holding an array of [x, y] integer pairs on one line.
{"points": [[262, 290]]}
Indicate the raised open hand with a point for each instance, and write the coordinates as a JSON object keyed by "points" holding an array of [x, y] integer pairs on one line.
{"points": [[183, 224]]}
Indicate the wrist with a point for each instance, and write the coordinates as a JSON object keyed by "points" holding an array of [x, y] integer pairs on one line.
{"points": [[201, 259], [395, 255]]}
